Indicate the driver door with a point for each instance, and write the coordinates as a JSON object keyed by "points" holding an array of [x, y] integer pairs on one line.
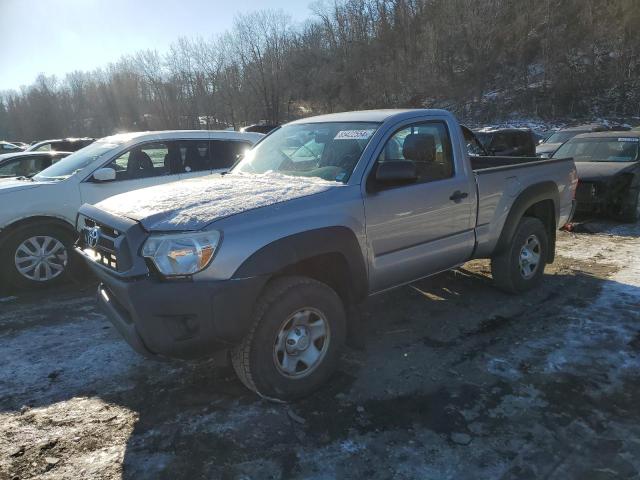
{"points": [[141, 166]]}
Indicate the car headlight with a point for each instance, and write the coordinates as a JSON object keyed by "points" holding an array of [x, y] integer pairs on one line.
{"points": [[181, 254]]}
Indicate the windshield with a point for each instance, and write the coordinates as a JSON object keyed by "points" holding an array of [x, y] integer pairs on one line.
{"points": [[76, 161], [329, 151], [561, 137], [604, 149]]}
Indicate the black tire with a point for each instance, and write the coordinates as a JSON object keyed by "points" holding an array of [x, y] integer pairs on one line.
{"points": [[631, 210], [506, 268], [254, 360], [13, 277]]}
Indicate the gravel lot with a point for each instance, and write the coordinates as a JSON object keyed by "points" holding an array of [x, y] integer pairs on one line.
{"points": [[456, 380]]}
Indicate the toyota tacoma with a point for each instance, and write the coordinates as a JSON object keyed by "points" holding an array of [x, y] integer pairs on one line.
{"points": [[268, 260]]}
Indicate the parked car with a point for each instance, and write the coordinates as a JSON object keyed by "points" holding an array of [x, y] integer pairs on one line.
{"points": [[269, 258], [22, 145], [555, 141], [37, 233], [61, 145], [608, 165], [259, 128], [508, 142], [6, 147], [27, 164], [475, 147]]}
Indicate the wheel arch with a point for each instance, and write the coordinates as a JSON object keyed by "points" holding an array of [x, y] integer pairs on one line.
{"points": [[541, 201], [331, 255], [35, 220]]}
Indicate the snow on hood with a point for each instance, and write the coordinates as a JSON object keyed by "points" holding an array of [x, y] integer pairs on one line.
{"points": [[192, 204], [602, 170]]}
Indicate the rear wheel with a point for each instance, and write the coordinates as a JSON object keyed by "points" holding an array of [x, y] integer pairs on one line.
{"points": [[296, 339], [521, 266], [36, 256]]}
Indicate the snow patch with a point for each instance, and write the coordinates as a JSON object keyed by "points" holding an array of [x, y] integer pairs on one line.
{"points": [[197, 202]]}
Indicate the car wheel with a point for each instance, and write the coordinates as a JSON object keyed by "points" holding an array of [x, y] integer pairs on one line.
{"points": [[296, 339], [521, 266], [37, 255]]}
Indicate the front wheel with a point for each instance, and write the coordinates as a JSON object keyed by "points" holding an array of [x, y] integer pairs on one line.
{"points": [[36, 256], [520, 266], [296, 339]]}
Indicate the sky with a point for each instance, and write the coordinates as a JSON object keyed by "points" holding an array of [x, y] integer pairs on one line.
{"points": [[55, 37]]}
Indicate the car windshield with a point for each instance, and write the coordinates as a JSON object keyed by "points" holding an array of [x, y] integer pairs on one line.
{"points": [[329, 151], [561, 137], [603, 149], [76, 161]]}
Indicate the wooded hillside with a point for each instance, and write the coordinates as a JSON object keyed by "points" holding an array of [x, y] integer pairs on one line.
{"points": [[484, 59]]}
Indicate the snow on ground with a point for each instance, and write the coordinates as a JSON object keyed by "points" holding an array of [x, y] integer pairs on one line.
{"points": [[457, 381]]}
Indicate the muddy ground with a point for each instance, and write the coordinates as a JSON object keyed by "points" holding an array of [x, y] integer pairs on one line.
{"points": [[457, 380]]}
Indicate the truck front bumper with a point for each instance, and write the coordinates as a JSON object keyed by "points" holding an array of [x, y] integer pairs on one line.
{"points": [[183, 319]]}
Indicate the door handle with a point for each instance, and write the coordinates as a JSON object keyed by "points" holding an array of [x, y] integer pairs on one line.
{"points": [[457, 196]]}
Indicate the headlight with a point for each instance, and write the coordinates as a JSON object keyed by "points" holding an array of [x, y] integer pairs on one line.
{"points": [[181, 254]]}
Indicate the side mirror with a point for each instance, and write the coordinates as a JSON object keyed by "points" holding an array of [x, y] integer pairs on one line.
{"points": [[396, 172], [104, 175]]}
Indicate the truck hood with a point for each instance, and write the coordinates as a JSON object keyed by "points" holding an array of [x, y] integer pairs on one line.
{"points": [[11, 185], [598, 171], [548, 148], [193, 204]]}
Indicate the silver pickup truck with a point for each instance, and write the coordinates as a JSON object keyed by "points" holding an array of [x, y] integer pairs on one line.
{"points": [[267, 260]]}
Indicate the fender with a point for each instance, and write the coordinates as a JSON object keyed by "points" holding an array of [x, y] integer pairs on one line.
{"points": [[288, 251], [528, 197]]}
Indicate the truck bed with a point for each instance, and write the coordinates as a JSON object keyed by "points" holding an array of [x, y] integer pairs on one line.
{"points": [[500, 180]]}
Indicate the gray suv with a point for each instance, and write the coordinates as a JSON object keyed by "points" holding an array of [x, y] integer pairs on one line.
{"points": [[267, 260]]}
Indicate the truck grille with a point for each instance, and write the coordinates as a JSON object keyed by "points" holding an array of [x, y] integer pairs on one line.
{"points": [[100, 243]]}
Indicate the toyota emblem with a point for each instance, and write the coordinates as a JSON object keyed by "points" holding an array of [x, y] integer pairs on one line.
{"points": [[93, 236]]}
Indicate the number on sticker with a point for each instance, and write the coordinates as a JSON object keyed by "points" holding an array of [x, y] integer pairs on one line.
{"points": [[353, 134]]}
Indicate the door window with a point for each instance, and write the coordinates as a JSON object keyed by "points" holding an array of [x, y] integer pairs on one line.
{"points": [[188, 156], [224, 153], [150, 160], [427, 145]]}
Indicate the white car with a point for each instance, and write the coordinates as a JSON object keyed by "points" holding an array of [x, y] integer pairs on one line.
{"points": [[38, 214]]}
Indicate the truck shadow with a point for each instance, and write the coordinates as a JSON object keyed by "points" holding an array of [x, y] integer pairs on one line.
{"points": [[431, 351], [593, 225]]}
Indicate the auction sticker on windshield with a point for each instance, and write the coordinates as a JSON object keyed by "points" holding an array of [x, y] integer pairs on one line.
{"points": [[354, 134]]}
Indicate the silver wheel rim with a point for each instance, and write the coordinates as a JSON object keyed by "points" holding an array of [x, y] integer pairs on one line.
{"points": [[302, 343], [530, 257], [41, 258]]}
